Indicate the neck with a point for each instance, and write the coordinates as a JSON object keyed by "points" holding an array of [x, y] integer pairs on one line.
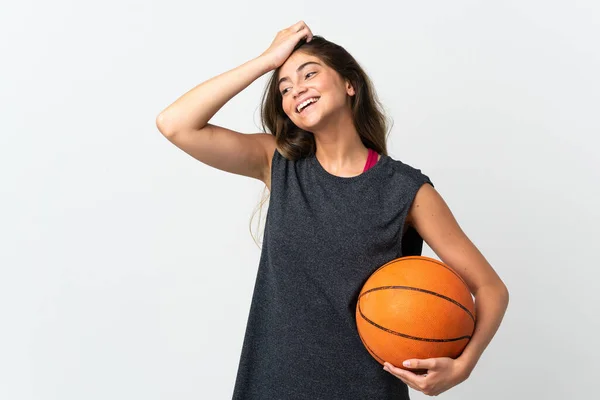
{"points": [[339, 147]]}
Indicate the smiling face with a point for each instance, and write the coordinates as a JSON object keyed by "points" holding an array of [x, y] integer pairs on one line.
{"points": [[303, 77]]}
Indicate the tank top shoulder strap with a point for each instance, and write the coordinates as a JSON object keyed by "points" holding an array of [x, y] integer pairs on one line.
{"points": [[371, 159]]}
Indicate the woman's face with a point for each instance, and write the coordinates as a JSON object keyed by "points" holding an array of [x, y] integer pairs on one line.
{"points": [[303, 77]]}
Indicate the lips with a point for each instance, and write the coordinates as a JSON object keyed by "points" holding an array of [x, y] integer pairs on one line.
{"points": [[308, 105]]}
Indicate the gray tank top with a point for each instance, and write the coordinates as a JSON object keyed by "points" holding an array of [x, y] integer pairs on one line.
{"points": [[324, 236]]}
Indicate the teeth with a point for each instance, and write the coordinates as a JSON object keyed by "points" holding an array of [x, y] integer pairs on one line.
{"points": [[305, 103]]}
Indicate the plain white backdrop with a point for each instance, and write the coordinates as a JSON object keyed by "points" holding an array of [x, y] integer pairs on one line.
{"points": [[127, 266]]}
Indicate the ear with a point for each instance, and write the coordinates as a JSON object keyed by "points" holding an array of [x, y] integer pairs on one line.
{"points": [[349, 88]]}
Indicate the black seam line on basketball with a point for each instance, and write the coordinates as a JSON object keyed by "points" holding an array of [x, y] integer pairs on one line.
{"points": [[424, 291], [404, 335], [370, 349], [433, 260]]}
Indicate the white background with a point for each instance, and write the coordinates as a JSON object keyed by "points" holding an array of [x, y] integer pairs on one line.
{"points": [[127, 266]]}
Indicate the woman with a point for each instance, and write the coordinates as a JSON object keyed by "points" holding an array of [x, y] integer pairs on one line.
{"points": [[340, 208]]}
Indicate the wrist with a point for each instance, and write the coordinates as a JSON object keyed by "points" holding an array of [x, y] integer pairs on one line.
{"points": [[466, 365], [266, 63]]}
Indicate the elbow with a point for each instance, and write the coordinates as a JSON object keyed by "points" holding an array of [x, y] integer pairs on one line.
{"points": [[498, 290], [504, 293], [162, 125]]}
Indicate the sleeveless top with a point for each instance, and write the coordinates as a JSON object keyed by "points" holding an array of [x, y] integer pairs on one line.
{"points": [[324, 236]]}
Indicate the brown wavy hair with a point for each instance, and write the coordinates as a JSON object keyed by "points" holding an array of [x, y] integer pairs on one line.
{"points": [[368, 115]]}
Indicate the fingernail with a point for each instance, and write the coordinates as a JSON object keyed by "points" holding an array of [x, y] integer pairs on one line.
{"points": [[406, 363]]}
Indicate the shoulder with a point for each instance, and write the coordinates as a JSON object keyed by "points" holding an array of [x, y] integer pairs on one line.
{"points": [[410, 175], [426, 199], [416, 187], [271, 152], [276, 160]]}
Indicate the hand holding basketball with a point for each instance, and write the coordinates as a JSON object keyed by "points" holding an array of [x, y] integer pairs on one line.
{"points": [[442, 374], [418, 310]]}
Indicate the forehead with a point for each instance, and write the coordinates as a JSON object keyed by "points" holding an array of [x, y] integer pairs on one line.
{"points": [[290, 66]]}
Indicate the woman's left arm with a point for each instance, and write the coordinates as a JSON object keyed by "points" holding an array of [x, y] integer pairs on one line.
{"points": [[431, 217]]}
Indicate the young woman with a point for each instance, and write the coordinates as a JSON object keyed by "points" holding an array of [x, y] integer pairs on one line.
{"points": [[340, 207]]}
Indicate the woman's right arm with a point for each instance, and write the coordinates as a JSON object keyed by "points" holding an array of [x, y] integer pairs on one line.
{"points": [[185, 124]]}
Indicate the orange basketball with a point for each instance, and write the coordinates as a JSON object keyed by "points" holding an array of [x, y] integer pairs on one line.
{"points": [[414, 307]]}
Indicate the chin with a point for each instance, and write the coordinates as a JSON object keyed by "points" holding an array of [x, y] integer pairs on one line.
{"points": [[310, 123]]}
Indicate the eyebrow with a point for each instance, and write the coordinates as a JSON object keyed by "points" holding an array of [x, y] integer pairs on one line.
{"points": [[285, 78]]}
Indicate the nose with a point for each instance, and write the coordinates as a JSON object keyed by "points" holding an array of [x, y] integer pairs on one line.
{"points": [[298, 90]]}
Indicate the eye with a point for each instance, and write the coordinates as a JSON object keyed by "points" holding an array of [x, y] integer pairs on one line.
{"points": [[306, 76]]}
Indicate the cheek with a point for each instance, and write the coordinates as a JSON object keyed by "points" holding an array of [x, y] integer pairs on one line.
{"points": [[289, 110], [333, 94]]}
